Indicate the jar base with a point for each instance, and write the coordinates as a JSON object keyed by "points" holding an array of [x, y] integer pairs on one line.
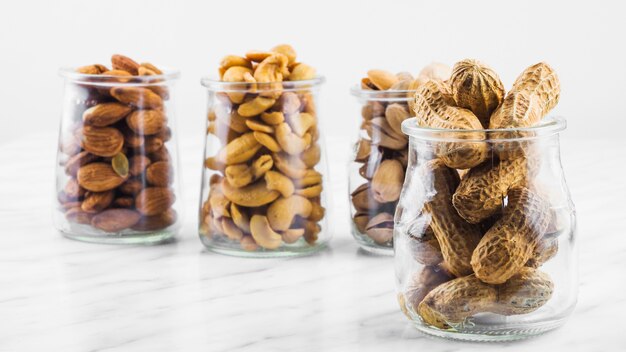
{"points": [[370, 246], [479, 333], [285, 252], [152, 238]]}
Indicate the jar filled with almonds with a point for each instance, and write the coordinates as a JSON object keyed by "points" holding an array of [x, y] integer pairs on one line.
{"points": [[485, 229], [117, 159], [264, 170], [380, 155]]}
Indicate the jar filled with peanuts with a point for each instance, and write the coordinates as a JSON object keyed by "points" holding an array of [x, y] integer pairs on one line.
{"points": [[117, 159], [376, 173], [485, 229], [264, 169]]}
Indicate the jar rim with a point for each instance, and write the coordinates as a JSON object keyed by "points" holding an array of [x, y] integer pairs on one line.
{"points": [[112, 80], [396, 95], [548, 126], [213, 84]]}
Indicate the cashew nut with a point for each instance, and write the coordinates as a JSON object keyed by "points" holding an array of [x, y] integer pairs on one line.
{"points": [[255, 106], [231, 230], [240, 175], [240, 218], [310, 192], [292, 235], [288, 103], [258, 126], [272, 69], [312, 155], [279, 182], [248, 244], [239, 150], [253, 195], [263, 233], [273, 118], [282, 212], [301, 123], [267, 141], [291, 166], [291, 142], [317, 211]]}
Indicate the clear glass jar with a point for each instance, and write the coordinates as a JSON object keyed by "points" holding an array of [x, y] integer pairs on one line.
{"points": [[117, 164], [262, 185], [376, 173], [487, 253]]}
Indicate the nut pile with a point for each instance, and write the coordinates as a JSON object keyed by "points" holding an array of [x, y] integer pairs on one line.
{"points": [[265, 191], [481, 255], [115, 158], [383, 152]]}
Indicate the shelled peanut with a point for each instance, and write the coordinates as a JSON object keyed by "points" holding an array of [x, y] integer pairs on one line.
{"points": [[265, 191], [383, 149], [119, 174], [493, 227]]}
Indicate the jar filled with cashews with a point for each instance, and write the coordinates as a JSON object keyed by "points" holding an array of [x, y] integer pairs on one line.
{"points": [[485, 229], [376, 172], [264, 169]]}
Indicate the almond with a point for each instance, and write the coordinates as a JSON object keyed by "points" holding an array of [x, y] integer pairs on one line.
{"points": [[114, 220], [101, 141], [156, 222], [154, 200], [105, 114], [78, 216], [138, 164], [131, 187], [97, 201], [124, 202], [146, 122], [121, 62], [92, 69], [160, 174], [143, 98], [152, 145], [98, 177]]}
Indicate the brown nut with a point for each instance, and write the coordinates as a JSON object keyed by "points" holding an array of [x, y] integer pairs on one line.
{"points": [[290, 142], [380, 228], [387, 181], [311, 156], [231, 230], [138, 164], [272, 69], [434, 107], [154, 200], [240, 217], [267, 141], [524, 292], [279, 182], [302, 72], [422, 283], [98, 177], [363, 200], [233, 60], [282, 212], [263, 234], [240, 175], [160, 174], [156, 222], [124, 63], [105, 114], [292, 235], [382, 134], [101, 141], [273, 117], [239, 150], [146, 122], [301, 123], [286, 50], [476, 87], [381, 79], [253, 195], [395, 114], [425, 248], [97, 201], [76, 215], [115, 220], [509, 244], [288, 104], [255, 106], [457, 238], [289, 165], [139, 97], [248, 243]]}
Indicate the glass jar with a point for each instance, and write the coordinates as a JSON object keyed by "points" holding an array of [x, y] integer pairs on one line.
{"points": [[117, 163], [262, 185], [487, 253], [376, 173]]}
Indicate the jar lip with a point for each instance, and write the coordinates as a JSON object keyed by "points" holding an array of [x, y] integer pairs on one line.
{"points": [[214, 84], [112, 80], [548, 126], [382, 95]]}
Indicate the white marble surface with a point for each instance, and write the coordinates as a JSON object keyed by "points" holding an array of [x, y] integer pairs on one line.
{"points": [[61, 295]]}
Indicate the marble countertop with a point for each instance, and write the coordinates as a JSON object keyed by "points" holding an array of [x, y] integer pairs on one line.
{"points": [[61, 295]]}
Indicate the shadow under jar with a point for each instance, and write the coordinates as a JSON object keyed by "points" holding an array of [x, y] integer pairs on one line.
{"points": [[117, 159], [487, 253], [263, 181], [376, 173]]}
